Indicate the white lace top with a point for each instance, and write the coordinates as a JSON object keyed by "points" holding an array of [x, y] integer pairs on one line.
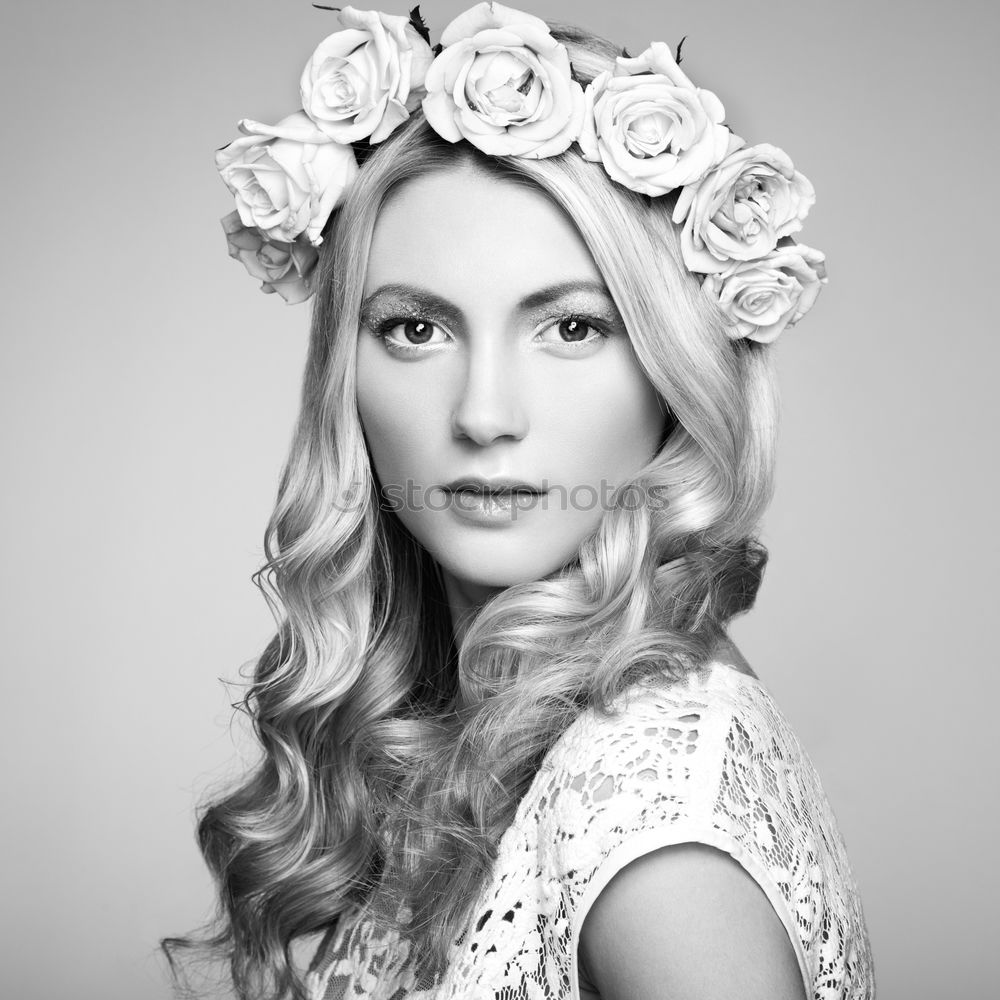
{"points": [[711, 761]]}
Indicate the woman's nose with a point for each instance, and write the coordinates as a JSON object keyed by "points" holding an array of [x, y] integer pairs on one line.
{"points": [[490, 405]]}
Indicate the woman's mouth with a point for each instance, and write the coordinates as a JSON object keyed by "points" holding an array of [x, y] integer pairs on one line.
{"points": [[485, 504]]}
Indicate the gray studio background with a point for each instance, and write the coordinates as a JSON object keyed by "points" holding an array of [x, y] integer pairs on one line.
{"points": [[149, 390]]}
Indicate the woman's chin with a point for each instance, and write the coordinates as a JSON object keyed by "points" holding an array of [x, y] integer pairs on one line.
{"points": [[498, 566], [523, 546]]}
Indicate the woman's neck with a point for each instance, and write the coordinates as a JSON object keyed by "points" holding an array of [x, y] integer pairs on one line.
{"points": [[725, 651], [464, 600]]}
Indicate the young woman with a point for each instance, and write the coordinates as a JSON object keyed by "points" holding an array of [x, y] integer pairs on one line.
{"points": [[508, 749]]}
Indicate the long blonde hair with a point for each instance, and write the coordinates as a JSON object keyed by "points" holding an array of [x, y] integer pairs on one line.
{"points": [[372, 791]]}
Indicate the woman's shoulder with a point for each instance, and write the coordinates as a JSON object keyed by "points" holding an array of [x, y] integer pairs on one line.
{"points": [[663, 732], [708, 760]]}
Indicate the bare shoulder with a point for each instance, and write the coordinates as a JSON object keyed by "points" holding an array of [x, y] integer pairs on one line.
{"points": [[687, 921]]}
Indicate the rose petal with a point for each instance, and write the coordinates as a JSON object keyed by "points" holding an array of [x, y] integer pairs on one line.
{"points": [[763, 297], [360, 82], [488, 15], [502, 82]]}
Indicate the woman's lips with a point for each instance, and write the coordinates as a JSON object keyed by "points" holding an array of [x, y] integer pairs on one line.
{"points": [[499, 491], [493, 484], [487, 506]]}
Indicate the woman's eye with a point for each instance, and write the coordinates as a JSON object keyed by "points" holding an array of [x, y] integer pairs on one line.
{"points": [[411, 334], [569, 331]]}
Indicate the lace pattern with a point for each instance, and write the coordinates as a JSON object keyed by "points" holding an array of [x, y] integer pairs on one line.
{"points": [[710, 761]]}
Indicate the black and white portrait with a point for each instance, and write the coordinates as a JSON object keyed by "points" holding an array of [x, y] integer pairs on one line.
{"points": [[499, 501]]}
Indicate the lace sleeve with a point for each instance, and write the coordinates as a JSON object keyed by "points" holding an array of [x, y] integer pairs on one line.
{"points": [[719, 767]]}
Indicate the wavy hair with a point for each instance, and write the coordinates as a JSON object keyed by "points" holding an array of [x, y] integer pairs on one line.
{"points": [[373, 790]]}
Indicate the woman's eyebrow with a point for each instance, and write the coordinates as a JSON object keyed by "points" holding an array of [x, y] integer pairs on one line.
{"points": [[424, 299]]}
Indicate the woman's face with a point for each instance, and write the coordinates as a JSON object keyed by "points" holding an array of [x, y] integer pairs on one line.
{"points": [[489, 347]]}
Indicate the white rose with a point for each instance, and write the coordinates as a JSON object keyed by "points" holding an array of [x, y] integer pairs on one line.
{"points": [[502, 82], [362, 82], [742, 208], [287, 178], [762, 297], [286, 268], [653, 130]]}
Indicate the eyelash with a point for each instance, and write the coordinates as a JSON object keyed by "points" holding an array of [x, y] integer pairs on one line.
{"points": [[382, 328]]}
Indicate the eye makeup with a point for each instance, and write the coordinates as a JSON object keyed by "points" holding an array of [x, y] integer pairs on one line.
{"points": [[591, 305], [381, 328], [382, 314]]}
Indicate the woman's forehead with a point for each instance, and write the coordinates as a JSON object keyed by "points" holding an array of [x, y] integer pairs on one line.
{"points": [[468, 231]]}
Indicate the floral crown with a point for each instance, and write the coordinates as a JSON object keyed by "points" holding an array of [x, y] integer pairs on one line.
{"points": [[501, 81]]}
